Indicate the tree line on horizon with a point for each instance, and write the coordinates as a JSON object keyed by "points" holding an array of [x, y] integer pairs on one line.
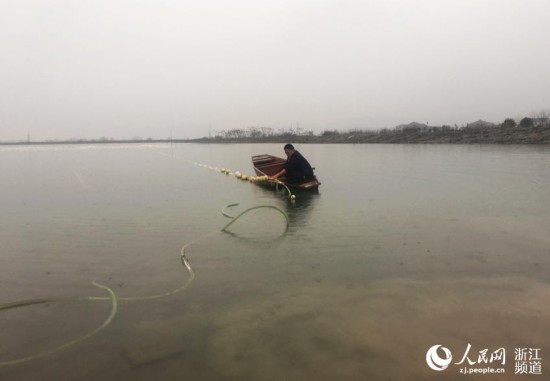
{"points": [[254, 133], [262, 133]]}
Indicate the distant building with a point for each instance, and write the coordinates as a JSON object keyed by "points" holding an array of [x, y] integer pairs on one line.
{"points": [[413, 126], [481, 124]]}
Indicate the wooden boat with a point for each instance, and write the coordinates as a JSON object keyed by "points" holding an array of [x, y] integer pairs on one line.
{"points": [[270, 165]]}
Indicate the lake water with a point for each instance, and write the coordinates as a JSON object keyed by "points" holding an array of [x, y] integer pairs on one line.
{"points": [[404, 247]]}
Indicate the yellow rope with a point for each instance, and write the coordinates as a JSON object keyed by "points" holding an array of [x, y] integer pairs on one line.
{"points": [[112, 297], [256, 207], [109, 319]]}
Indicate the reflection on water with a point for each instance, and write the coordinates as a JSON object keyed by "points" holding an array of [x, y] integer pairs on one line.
{"points": [[403, 248], [300, 211]]}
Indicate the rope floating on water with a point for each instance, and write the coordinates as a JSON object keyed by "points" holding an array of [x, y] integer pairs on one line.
{"points": [[256, 207], [112, 314], [183, 257], [113, 298]]}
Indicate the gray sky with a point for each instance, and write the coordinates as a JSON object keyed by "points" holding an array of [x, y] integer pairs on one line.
{"points": [[129, 68]]}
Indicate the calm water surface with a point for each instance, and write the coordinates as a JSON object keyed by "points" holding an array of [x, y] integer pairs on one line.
{"points": [[404, 247]]}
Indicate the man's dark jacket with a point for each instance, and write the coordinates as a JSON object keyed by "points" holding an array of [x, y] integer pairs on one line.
{"points": [[297, 168]]}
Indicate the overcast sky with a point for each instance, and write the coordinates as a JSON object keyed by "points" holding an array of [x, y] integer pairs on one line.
{"points": [[129, 68]]}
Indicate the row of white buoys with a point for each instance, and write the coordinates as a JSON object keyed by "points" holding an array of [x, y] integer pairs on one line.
{"points": [[260, 179], [241, 176], [238, 175], [252, 179], [207, 166]]}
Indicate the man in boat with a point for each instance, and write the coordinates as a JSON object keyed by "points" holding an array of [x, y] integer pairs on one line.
{"points": [[296, 168]]}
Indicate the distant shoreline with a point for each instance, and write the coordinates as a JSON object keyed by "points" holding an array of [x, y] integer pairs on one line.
{"points": [[90, 142], [467, 135]]}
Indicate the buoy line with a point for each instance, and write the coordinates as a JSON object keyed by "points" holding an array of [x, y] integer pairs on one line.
{"points": [[265, 179], [112, 296]]}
